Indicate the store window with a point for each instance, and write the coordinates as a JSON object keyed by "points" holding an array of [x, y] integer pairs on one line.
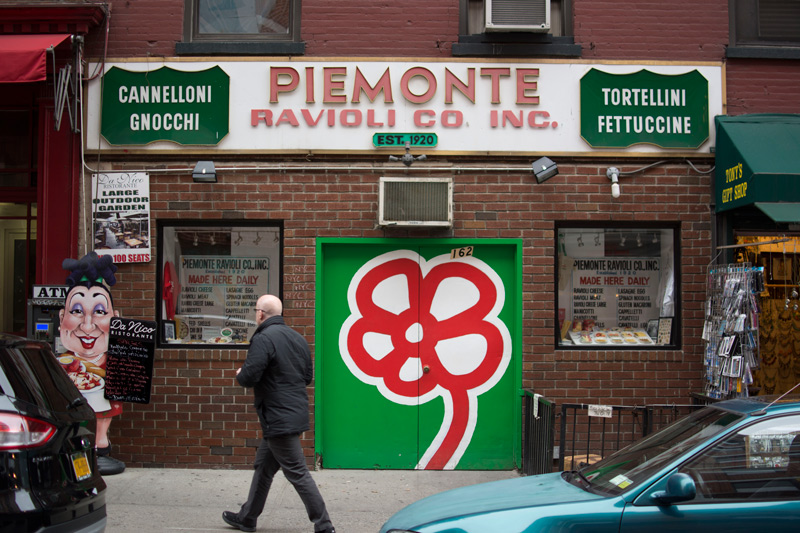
{"points": [[617, 286], [766, 28], [210, 277], [477, 37], [777, 331], [241, 27]]}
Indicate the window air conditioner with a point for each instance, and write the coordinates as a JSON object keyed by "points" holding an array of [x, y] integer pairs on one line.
{"points": [[415, 202], [518, 15]]}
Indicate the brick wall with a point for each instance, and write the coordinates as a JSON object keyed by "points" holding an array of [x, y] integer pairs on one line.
{"points": [[632, 29], [763, 86], [200, 417], [680, 30]]}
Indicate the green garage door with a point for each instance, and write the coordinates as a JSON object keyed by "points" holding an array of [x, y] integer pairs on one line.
{"points": [[417, 353]]}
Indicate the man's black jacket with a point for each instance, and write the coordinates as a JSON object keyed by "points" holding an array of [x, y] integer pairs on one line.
{"points": [[278, 367]]}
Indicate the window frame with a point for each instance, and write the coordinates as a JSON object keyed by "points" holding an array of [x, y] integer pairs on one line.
{"points": [[235, 227], [744, 22], [238, 44], [631, 227]]}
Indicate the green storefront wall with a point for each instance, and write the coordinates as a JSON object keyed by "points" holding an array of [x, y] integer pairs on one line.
{"points": [[370, 412]]}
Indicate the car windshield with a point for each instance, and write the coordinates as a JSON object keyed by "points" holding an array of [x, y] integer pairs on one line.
{"points": [[634, 464]]}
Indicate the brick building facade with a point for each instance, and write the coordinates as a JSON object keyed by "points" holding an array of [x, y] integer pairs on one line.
{"points": [[199, 418]]}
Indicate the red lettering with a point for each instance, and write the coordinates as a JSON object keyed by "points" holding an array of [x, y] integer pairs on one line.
{"points": [[494, 74], [384, 84], [257, 115], [418, 72], [418, 118], [330, 84], [275, 87], [309, 119], [287, 115], [451, 81], [523, 86]]}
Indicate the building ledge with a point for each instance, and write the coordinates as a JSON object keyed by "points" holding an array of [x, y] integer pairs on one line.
{"points": [[240, 48]]}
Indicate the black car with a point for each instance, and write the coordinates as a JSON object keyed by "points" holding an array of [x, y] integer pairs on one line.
{"points": [[48, 468]]}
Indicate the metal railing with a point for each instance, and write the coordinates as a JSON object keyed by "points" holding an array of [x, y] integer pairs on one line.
{"points": [[538, 434], [586, 439], [587, 432]]}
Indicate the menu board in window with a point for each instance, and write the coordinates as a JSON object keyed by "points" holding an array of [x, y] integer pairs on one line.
{"points": [[616, 292], [218, 296]]}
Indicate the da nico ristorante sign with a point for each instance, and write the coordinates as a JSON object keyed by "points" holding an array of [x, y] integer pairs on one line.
{"points": [[165, 105], [666, 110]]}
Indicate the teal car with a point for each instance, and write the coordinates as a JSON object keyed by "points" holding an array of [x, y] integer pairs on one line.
{"points": [[731, 466]]}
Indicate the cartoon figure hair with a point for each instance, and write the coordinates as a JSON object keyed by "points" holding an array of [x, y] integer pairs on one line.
{"points": [[90, 270]]}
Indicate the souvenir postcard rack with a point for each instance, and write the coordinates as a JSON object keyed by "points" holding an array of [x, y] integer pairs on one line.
{"points": [[731, 329]]}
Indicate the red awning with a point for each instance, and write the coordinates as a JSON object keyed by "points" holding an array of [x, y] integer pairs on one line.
{"points": [[23, 58]]}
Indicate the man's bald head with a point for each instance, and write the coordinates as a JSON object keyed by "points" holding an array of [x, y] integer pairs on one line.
{"points": [[270, 305]]}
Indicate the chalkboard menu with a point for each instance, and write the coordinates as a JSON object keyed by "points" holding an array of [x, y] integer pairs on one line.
{"points": [[129, 366]]}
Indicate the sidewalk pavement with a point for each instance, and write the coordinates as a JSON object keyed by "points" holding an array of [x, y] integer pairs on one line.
{"points": [[145, 500]]}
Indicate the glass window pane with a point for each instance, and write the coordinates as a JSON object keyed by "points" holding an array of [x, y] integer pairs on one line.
{"points": [[244, 16], [615, 286], [761, 462], [212, 277]]}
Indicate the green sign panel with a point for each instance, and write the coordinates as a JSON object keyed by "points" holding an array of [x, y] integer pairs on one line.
{"points": [[620, 110], [393, 140], [165, 105]]}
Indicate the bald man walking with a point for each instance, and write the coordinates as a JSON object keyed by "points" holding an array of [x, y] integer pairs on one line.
{"points": [[278, 368]]}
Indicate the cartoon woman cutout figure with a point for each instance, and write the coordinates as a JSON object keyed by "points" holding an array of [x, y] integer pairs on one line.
{"points": [[85, 324]]}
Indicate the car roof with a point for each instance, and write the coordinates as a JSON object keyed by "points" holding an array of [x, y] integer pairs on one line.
{"points": [[761, 405], [7, 339]]}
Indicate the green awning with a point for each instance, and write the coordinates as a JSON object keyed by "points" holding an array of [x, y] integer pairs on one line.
{"points": [[757, 161], [786, 212]]}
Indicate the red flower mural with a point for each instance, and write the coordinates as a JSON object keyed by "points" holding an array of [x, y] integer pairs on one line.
{"points": [[422, 329]]}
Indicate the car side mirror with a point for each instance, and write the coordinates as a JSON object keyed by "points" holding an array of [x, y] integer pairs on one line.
{"points": [[680, 488]]}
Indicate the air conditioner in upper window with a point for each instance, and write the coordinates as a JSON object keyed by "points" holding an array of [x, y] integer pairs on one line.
{"points": [[415, 202], [518, 15]]}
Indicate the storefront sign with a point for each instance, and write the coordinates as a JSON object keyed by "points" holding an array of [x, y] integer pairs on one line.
{"points": [[358, 105], [165, 105], [393, 140], [620, 110], [221, 287], [757, 164], [121, 215], [55, 292]]}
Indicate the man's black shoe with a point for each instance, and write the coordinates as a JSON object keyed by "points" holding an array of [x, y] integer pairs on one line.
{"points": [[232, 519], [329, 530], [108, 466]]}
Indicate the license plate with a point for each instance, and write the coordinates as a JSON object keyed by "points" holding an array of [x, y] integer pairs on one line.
{"points": [[81, 466]]}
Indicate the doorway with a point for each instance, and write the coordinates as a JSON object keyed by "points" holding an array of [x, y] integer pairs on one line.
{"points": [[17, 265], [418, 353]]}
